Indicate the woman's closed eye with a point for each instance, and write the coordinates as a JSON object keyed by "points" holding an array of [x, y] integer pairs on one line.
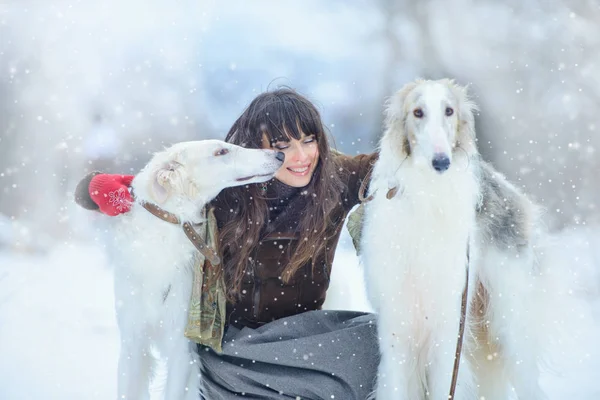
{"points": [[280, 145], [286, 145]]}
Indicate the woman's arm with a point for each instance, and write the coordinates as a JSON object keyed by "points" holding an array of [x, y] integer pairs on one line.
{"points": [[354, 170]]}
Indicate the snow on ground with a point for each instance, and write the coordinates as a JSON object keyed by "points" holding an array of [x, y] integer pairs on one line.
{"points": [[58, 335], [59, 340]]}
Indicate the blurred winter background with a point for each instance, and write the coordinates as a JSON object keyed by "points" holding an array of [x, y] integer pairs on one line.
{"points": [[90, 85]]}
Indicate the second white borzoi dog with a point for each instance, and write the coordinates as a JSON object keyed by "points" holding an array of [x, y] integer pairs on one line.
{"points": [[437, 206], [154, 260]]}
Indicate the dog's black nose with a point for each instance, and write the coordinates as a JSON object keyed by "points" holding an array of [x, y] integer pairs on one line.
{"points": [[440, 162], [280, 156]]}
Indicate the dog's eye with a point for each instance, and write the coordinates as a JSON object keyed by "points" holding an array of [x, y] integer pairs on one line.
{"points": [[449, 111], [418, 113], [221, 152]]}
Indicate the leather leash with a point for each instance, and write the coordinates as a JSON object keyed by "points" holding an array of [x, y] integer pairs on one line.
{"points": [[461, 330], [210, 254]]}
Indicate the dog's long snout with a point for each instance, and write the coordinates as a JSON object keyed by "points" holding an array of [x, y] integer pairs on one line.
{"points": [[280, 156], [440, 162]]}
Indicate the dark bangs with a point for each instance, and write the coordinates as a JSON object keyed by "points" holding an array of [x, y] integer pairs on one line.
{"points": [[281, 115]]}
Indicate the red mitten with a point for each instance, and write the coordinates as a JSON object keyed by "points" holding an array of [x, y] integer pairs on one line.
{"points": [[111, 193]]}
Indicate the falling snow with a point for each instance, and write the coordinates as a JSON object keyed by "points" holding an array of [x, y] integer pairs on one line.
{"points": [[84, 88]]}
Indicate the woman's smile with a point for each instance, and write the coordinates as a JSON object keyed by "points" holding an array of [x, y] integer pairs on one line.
{"points": [[301, 159]]}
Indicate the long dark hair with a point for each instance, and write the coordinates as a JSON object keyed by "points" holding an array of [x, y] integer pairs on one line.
{"points": [[280, 114]]}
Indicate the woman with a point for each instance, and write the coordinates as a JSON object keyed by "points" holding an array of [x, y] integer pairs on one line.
{"points": [[277, 242]]}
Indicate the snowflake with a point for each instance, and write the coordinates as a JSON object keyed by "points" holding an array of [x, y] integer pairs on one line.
{"points": [[118, 200]]}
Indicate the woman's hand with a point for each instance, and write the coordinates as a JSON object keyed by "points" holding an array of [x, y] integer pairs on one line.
{"points": [[107, 193]]}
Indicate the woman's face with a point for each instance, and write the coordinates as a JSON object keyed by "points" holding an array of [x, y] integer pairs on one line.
{"points": [[301, 159]]}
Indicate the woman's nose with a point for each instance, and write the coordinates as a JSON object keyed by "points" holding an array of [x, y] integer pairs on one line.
{"points": [[300, 155]]}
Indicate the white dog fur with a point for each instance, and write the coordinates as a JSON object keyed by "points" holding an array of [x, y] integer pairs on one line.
{"points": [[153, 271], [414, 251]]}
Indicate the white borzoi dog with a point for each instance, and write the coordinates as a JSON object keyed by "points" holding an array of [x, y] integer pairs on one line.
{"points": [[437, 206], [154, 258]]}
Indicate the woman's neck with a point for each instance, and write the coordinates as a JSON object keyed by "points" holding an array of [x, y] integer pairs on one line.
{"points": [[285, 205], [278, 192]]}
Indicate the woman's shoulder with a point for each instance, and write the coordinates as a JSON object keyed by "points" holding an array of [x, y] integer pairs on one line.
{"points": [[358, 165], [353, 171]]}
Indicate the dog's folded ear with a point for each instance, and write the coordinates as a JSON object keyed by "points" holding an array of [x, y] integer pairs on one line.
{"points": [[395, 109], [165, 180], [466, 115]]}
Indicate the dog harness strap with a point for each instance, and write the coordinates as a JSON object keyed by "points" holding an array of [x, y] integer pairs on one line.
{"points": [[461, 330]]}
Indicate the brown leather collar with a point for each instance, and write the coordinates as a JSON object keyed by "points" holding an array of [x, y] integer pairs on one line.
{"points": [[160, 213], [188, 229], [362, 191]]}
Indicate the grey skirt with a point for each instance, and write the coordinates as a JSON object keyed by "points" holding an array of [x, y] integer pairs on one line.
{"points": [[314, 355]]}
